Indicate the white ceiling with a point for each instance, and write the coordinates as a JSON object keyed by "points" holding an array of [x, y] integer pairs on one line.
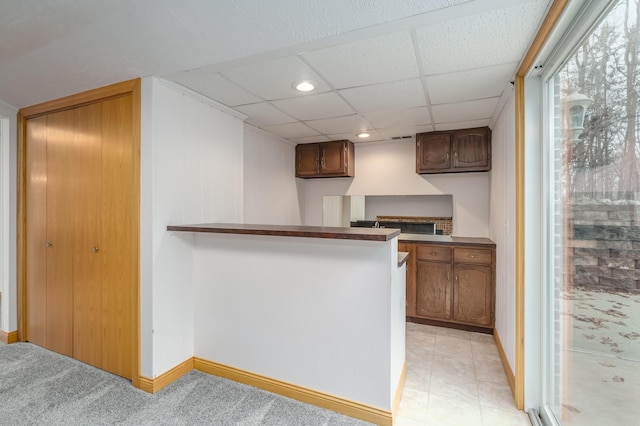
{"points": [[393, 68]]}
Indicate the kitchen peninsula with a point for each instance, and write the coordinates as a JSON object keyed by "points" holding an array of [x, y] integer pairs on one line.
{"points": [[313, 313]]}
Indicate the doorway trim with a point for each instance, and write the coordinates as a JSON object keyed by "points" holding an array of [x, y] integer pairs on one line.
{"points": [[130, 87]]}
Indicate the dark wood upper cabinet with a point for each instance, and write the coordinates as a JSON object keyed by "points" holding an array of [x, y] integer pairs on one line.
{"points": [[325, 159], [467, 150], [307, 160]]}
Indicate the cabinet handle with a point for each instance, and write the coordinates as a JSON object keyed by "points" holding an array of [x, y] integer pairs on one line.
{"points": [[473, 256], [95, 249], [433, 253], [49, 244], [456, 278]]}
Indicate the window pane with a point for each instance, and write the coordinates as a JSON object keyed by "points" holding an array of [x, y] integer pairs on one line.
{"points": [[595, 238]]}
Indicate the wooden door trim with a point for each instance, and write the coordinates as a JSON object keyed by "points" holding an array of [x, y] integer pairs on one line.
{"points": [[83, 98], [130, 87]]}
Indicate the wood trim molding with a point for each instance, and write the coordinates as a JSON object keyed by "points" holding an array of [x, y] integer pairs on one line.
{"points": [[541, 37], [9, 337], [83, 98], [21, 221], [136, 94], [505, 363], [162, 381], [396, 400], [310, 396]]}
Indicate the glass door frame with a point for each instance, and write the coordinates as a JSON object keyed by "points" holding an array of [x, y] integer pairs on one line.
{"points": [[585, 16]]}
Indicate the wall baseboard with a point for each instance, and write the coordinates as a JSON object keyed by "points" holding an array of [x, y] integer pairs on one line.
{"points": [[505, 363], [166, 378], [9, 337], [398, 396], [309, 396]]}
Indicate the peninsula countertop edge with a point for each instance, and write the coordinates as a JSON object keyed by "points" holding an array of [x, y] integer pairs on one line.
{"points": [[363, 234]]}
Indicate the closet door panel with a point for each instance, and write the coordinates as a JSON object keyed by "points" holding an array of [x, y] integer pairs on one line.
{"points": [[87, 267], [61, 172], [119, 234], [36, 230]]}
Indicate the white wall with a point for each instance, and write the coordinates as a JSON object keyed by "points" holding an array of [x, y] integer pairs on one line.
{"points": [[408, 205], [320, 313], [270, 191], [191, 172], [8, 172], [502, 228], [388, 168]]}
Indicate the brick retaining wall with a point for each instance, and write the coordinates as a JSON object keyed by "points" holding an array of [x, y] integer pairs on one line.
{"points": [[605, 251]]}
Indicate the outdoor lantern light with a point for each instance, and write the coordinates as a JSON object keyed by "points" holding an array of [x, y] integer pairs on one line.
{"points": [[576, 105]]}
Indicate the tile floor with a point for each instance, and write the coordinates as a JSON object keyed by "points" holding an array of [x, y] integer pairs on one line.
{"points": [[454, 378]]}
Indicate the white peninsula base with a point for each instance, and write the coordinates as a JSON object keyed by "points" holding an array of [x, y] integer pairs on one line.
{"points": [[320, 320]]}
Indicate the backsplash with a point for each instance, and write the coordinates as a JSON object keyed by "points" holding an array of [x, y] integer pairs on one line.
{"points": [[444, 225]]}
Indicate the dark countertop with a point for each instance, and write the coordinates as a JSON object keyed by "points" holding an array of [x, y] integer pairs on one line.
{"points": [[366, 234], [402, 258], [446, 240]]}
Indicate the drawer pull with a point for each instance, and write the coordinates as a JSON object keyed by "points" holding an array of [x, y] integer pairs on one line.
{"points": [[433, 253], [473, 256]]}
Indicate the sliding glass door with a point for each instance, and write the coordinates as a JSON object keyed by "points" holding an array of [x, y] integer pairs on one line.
{"points": [[592, 278]]}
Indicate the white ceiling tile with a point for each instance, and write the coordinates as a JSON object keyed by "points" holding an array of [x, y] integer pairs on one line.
{"points": [[310, 107], [382, 97], [495, 37], [370, 61], [478, 83], [373, 137], [465, 111], [463, 124], [291, 130], [264, 114], [216, 87], [311, 139], [396, 118], [274, 79], [351, 123], [394, 132]]}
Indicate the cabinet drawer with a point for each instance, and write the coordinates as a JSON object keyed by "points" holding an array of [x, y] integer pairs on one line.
{"points": [[472, 255], [436, 253]]}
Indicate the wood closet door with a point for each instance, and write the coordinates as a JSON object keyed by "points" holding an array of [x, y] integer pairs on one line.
{"points": [[36, 230], [118, 234], [87, 266], [60, 211]]}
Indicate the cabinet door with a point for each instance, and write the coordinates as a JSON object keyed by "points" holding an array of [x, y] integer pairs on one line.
{"points": [[433, 152], [433, 290], [472, 149], [333, 158], [411, 277], [472, 289], [307, 160]]}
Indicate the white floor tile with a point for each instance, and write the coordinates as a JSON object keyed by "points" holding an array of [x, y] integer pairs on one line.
{"points": [[454, 378]]}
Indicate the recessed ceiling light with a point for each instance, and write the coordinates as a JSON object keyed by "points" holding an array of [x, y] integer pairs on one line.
{"points": [[363, 135], [304, 86]]}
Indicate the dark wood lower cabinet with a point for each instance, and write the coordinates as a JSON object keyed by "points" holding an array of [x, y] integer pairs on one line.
{"points": [[451, 285], [473, 294], [433, 289]]}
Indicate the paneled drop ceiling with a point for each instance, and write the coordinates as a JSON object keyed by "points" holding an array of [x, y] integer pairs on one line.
{"points": [[391, 68]]}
